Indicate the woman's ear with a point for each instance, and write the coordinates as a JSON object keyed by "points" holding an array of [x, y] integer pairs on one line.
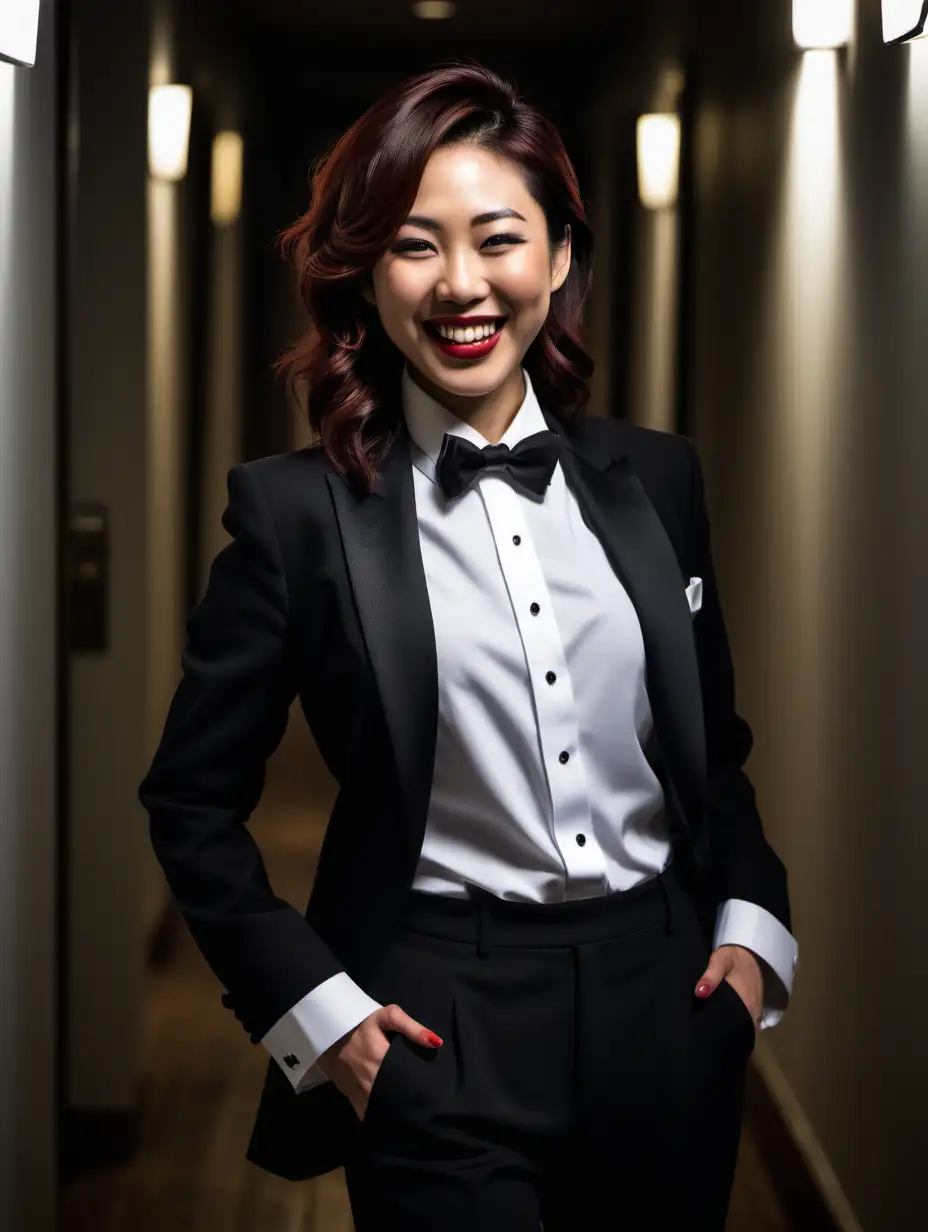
{"points": [[367, 289], [560, 261]]}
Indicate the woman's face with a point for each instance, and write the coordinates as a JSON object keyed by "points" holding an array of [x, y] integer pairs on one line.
{"points": [[472, 256]]}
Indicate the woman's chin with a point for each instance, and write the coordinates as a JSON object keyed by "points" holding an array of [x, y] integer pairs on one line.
{"points": [[467, 379]]}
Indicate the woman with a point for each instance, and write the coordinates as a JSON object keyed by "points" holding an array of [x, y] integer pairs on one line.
{"points": [[545, 920]]}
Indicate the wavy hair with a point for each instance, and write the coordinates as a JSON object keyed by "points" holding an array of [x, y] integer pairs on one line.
{"points": [[362, 190]]}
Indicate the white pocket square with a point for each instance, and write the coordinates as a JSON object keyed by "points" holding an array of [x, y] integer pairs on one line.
{"points": [[694, 594]]}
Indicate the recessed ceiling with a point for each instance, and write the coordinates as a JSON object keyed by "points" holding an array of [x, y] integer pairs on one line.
{"points": [[480, 20], [355, 48]]}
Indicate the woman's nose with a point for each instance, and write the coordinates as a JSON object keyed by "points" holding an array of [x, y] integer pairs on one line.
{"points": [[462, 280]]}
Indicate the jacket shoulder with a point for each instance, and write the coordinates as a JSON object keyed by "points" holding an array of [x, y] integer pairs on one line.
{"points": [[663, 460], [652, 446], [296, 497], [301, 466], [291, 481]]}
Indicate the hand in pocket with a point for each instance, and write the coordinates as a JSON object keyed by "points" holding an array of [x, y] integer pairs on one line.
{"points": [[354, 1061], [741, 969]]}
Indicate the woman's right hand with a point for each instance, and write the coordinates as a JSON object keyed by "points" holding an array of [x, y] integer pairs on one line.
{"points": [[352, 1062]]}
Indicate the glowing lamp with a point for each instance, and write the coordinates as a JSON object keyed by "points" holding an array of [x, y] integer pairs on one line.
{"points": [[433, 10], [904, 20], [822, 24], [226, 182], [19, 31], [169, 109], [658, 160]]}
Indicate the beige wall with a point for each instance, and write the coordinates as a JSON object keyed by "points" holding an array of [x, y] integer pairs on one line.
{"points": [[806, 394], [107, 448], [223, 419], [167, 413], [133, 397], [808, 402], [28, 636], [652, 377]]}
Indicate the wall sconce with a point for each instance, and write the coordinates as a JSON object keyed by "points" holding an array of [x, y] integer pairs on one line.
{"points": [[226, 181], [19, 31], [169, 110], [658, 160], [822, 25], [904, 20]]}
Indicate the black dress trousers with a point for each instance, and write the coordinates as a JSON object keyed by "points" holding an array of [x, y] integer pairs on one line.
{"points": [[581, 1083]]}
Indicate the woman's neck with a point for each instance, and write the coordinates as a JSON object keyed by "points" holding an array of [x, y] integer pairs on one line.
{"points": [[489, 414]]}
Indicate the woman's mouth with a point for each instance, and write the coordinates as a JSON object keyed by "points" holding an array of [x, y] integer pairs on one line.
{"points": [[465, 341]]}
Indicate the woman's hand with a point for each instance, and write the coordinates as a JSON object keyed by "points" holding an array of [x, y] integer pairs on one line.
{"points": [[742, 970], [352, 1062]]}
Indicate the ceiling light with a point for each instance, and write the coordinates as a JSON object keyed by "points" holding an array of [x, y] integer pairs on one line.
{"points": [[19, 31], [822, 24], [904, 20], [433, 10], [169, 110], [658, 160]]}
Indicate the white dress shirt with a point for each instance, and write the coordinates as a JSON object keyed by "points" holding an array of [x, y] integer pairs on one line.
{"points": [[540, 654]]}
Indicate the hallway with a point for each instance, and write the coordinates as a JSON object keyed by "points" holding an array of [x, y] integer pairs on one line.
{"points": [[756, 181], [202, 1079]]}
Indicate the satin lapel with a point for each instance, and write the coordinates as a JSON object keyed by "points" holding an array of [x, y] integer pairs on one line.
{"points": [[616, 508], [380, 536]]}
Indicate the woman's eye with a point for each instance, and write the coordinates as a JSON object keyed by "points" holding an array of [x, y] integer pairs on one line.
{"points": [[504, 238], [420, 246], [410, 246]]}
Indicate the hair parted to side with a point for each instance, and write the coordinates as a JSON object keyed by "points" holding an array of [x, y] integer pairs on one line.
{"points": [[362, 190]]}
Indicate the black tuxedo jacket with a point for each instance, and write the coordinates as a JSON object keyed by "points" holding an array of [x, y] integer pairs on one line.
{"points": [[321, 592]]}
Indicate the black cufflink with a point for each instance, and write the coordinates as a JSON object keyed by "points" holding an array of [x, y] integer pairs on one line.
{"points": [[290, 1060]]}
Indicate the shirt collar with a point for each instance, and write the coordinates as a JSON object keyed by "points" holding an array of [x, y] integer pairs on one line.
{"points": [[428, 421]]}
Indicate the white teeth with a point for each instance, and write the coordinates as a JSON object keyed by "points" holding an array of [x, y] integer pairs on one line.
{"points": [[470, 333]]}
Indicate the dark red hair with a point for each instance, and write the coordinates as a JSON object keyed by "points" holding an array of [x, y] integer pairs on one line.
{"points": [[362, 190]]}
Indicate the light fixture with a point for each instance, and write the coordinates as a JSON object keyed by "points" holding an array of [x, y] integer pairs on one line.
{"points": [[226, 180], [822, 24], [658, 160], [19, 31], [169, 110], [904, 20], [433, 10]]}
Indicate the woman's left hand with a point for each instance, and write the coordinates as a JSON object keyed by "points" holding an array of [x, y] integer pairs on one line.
{"points": [[743, 972]]}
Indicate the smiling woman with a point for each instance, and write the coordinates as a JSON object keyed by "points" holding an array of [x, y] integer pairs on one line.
{"points": [[446, 230], [501, 279], [463, 335], [501, 1007]]}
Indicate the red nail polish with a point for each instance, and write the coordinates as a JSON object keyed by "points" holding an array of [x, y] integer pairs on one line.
{"points": [[703, 990], [429, 1037]]}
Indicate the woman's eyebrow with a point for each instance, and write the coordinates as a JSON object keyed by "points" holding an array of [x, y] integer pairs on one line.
{"points": [[479, 220]]}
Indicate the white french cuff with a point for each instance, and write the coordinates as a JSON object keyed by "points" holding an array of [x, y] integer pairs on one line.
{"points": [[739, 922], [324, 1015]]}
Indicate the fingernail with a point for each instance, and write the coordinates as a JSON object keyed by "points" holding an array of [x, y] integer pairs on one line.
{"points": [[429, 1037], [703, 990]]}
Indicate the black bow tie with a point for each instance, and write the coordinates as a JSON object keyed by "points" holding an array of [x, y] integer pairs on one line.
{"points": [[530, 464]]}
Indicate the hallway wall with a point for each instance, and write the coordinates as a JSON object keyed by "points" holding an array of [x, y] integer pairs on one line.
{"points": [[807, 400], [28, 634], [153, 426], [108, 453]]}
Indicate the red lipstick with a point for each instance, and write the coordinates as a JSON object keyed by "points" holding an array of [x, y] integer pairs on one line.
{"points": [[464, 350]]}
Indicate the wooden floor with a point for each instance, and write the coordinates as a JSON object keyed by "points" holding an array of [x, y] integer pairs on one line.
{"points": [[202, 1077]]}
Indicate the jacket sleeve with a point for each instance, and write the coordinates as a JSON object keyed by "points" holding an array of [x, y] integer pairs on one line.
{"points": [[746, 865], [227, 716]]}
